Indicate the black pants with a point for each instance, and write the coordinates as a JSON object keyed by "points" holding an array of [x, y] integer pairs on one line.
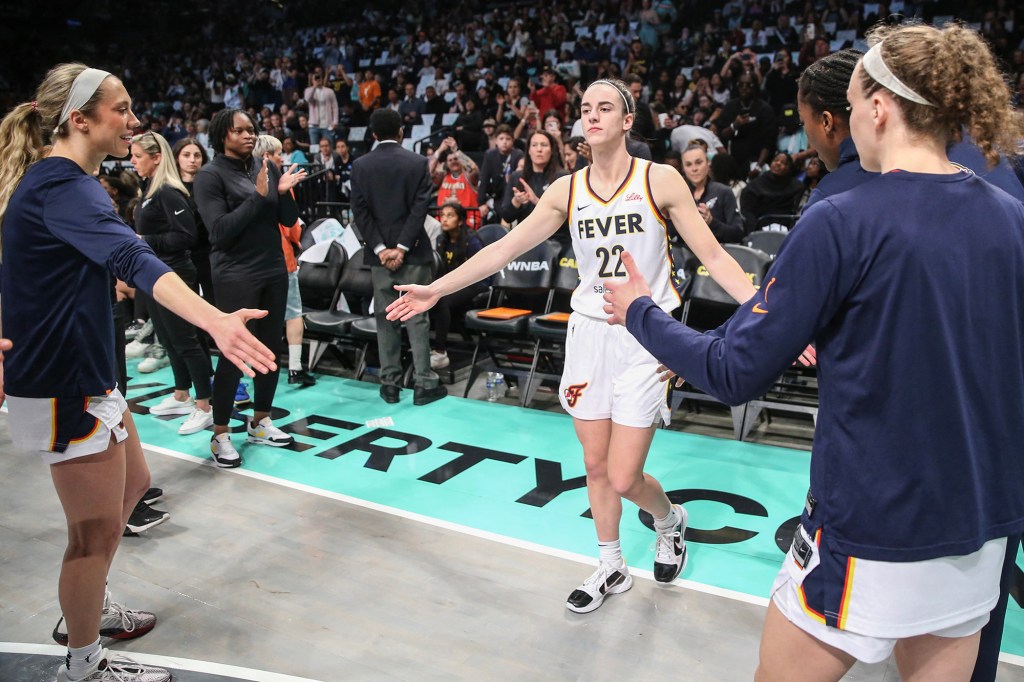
{"points": [[270, 295], [992, 633], [456, 303], [190, 361]]}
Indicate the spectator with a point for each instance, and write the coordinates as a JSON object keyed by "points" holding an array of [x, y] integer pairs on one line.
{"points": [[456, 244], [433, 103], [813, 174], [460, 181], [290, 154], [300, 135], [513, 105], [323, 111], [747, 125], [369, 91], [715, 201], [725, 170], [550, 95], [643, 122], [543, 165], [190, 157], [498, 166], [776, 192], [412, 108], [780, 85], [792, 138], [343, 169]]}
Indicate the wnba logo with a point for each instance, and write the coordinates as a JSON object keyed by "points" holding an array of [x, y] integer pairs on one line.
{"points": [[573, 393]]}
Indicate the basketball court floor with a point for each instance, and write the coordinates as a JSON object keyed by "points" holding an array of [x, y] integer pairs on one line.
{"points": [[395, 542]]}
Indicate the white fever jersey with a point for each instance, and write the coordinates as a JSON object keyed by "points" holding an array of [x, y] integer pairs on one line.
{"points": [[602, 230]]}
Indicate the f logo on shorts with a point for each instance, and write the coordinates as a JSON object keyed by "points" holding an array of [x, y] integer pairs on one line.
{"points": [[573, 393]]}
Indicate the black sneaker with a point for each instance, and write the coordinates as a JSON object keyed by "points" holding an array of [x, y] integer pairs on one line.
{"points": [[143, 518], [301, 377], [152, 495]]}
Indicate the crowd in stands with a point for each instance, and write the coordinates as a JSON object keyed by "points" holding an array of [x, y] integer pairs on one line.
{"points": [[465, 77]]}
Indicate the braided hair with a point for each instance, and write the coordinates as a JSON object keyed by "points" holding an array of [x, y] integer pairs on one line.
{"points": [[823, 84]]}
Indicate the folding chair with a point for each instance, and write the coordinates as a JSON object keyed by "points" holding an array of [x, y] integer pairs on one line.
{"points": [[521, 288], [769, 241], [707, 305], [331, 329], [549, 330]]}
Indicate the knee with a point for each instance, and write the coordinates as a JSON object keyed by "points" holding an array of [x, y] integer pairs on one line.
{"points": [[597, 468], [135, 487], [93, 538], [624, 484]]}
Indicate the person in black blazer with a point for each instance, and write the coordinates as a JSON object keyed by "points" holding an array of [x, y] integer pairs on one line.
{"points": [[391, 191]]}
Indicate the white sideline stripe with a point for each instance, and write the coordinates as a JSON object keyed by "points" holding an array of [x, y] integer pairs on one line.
{"points": [[458, 528], [172, 662]]}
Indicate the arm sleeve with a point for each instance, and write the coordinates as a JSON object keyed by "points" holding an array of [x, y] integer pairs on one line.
{"points": [[224, 225], [361, 211], [740, 360], [181, 233], [413, 228], [79, 213]]}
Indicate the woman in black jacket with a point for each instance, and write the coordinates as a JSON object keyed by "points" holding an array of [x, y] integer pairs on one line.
{"points": [[242, 203], [715, 202], [541, 167], [776, 192], [165, 221]]}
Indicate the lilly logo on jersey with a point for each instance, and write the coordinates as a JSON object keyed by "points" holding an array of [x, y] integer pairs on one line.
{"points": [[633, 197], [574, 392]]}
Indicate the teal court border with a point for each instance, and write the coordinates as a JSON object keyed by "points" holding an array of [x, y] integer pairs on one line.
{"points": [[516, 474]]}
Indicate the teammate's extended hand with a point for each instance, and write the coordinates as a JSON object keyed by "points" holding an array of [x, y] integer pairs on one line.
{"points": [[238, 345], [619, 295], [5, 344], [665, 374], [412, 300], [809, 358]]}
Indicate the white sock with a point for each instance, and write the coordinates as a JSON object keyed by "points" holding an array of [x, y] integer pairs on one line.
{"points": [[611, 553], [667, 523], [81, 662], [294, 357]]}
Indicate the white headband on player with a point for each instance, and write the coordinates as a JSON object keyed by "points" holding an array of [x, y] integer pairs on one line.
{"points": [[876, 67], [621, 93], [85, 86]]}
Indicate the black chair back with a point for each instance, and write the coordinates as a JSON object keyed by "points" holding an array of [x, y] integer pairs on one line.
{"points": [[768, 241], [319, 282], [567, 275], [534, 269], [491, 233], [705, 290]]}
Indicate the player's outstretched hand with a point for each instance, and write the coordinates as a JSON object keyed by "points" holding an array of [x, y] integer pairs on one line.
{"points": [[665, 374], [412, 300], [238, 345], [619, 295]]}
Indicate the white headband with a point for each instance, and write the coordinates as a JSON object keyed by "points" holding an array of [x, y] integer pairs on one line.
{"points": [[85, 86], [875, 67], [621, 93]]}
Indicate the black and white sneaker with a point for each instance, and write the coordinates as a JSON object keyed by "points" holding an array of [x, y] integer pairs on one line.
{"points": [[670, 549], [152, 495], [224, 454], [142, 518], [605, 580], [117, 622]]}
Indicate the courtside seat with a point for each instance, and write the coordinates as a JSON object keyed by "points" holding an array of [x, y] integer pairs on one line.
{"points": [[332, 328], [709, 305], [524, 284], [549, 331], [769, 241]]}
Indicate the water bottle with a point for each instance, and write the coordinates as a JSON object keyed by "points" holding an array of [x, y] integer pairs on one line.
{"points": [[492, 393], [499, 387]]}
